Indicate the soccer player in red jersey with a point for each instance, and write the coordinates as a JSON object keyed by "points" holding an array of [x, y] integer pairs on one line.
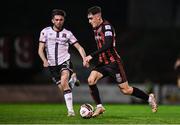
{"points": [[110, 63]]}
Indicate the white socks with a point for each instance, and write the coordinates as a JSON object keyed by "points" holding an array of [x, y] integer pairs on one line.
{"points": [[72, 80], [69, 101], [99, 105]]}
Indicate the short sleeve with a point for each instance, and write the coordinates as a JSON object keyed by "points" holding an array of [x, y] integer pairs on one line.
{"points": [[72, 38], [43, 36]]}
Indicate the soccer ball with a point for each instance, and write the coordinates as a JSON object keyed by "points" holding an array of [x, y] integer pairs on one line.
{"points": [[86, 110]]}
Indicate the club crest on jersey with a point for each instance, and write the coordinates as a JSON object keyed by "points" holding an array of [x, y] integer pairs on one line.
{"points": [[98, 37], [63, 35]]}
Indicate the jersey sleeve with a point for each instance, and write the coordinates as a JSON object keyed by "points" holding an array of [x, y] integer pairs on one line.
{"points": [[108, 31], [72, 38], [43, 37]]}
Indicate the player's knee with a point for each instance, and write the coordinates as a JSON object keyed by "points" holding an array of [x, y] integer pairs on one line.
{"points": [[126, 90], [90, 81], [64, 80]]}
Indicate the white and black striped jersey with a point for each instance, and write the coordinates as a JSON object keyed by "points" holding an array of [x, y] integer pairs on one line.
{"points": [[57, 44]]}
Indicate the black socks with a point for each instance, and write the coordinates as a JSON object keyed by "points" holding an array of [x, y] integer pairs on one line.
{"points": [[140, 94], [95, 93]]}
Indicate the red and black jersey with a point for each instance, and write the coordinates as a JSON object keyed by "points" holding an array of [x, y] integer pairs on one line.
{"points": [[105, 39]]}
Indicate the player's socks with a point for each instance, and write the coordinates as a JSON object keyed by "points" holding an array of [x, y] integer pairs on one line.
{"points": [[73, 81], [95, 94], [69, 100], [140, 94], [99, 105]]}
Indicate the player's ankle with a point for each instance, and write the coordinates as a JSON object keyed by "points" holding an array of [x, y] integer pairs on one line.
{"points": [[99, 105]]}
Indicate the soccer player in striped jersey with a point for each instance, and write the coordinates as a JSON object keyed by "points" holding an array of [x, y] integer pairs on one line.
{"points": [[110, 63], [56, 40]]}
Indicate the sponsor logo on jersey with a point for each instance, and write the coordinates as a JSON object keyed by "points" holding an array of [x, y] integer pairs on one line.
{"points": [[107, 27], [108, 33]]}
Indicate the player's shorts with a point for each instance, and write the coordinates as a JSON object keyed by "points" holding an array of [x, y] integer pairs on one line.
{"points": [[56, 70], [114, 70]]}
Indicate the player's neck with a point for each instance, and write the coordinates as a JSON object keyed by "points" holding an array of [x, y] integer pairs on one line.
{"points": [[57, 29]]}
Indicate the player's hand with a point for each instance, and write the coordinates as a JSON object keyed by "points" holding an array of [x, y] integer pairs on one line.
{"points": [[45, 63], [88, 58], [85, 63]]}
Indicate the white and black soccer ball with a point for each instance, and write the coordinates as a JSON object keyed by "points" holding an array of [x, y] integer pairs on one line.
{"points": [[86, 110]]}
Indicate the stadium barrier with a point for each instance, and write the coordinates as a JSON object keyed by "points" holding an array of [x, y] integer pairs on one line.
{"points": [[48, 93]]}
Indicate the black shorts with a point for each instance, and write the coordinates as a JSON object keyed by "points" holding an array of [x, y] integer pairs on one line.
{"points": [[56, 70], [114, 70]]}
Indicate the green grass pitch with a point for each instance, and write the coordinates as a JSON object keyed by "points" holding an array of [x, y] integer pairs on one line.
{"points": [[115, 114]]}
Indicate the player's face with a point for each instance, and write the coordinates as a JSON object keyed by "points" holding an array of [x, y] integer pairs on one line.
{"points": [[94, 20], [58, 21]]}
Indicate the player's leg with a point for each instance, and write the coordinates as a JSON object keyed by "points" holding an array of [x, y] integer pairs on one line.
{"points": [[128, 90], [77, 82], [74, 81], [67, 92], [54, 71], [61, 89], [62, 83], [92, 80]]}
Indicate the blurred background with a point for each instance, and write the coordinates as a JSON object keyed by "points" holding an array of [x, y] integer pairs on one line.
{"points": [[148, 41]]}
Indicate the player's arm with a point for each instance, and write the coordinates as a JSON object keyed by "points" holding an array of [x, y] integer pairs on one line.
{"points": [[82, 53], [41, 54], [108, 44], [80, 49], [108, 40]]}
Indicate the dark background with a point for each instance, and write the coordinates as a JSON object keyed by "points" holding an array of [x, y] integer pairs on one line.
{"points": [[147, 37]]}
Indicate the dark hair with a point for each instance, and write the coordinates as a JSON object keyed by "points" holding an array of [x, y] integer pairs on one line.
{"points": [[94, 10], [58, 12]]}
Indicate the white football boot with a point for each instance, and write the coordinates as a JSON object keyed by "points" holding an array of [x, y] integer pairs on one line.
{"points": [[153, 103], [98, 111], [71, 114]]}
